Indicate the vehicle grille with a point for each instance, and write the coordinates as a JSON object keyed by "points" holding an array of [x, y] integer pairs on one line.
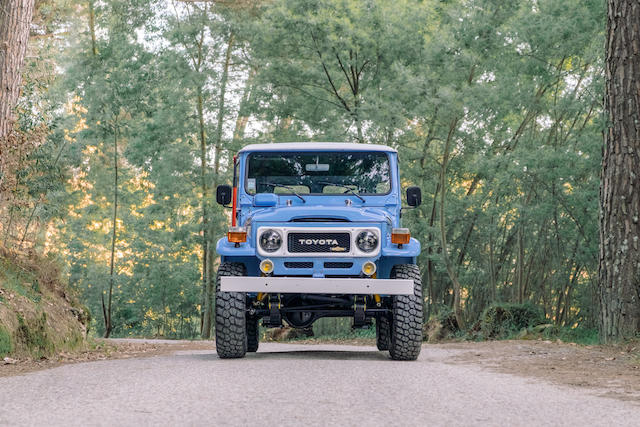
{"points": [[299, 264], [338, 264], [328, 242]]}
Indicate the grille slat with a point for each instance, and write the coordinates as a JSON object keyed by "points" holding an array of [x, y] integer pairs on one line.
{"points": [[334, 264], [298, 264], [324, 242]]}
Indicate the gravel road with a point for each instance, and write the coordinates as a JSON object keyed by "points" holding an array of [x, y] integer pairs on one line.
{"points": [[289, 384]]}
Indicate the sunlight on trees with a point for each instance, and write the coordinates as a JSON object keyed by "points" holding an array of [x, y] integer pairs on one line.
{"points": [[494, 107]]}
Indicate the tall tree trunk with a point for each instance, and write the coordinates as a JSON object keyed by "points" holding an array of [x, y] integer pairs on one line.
{"points": [[430, 240], [208, 285], [243, 116], [92, 28], [221, 104], [15, 20], [205, 327], [457, 288], [106, 310], [493, 291], [520, 264], [204, 187], [619, 269]]}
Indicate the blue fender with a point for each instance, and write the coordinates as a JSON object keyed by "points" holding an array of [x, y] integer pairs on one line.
{"points": [[225, 248], [410, 250]]}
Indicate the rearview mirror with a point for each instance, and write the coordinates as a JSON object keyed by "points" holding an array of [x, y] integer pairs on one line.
{"points": [[223, 194], [414, 196], [316, 167]]}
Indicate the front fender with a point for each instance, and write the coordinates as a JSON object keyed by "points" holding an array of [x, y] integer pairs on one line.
{"points": [[412, 250], [225, 248]]}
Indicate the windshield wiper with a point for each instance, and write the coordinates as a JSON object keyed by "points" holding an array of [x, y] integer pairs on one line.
{"points": [[349, 189], [288, 188]]}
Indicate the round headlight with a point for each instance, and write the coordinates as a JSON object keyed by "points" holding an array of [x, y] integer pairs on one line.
{"points": [[270, 240], [367, 241]]}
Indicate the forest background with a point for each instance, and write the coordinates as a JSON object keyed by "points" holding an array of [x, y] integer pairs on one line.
{"points": [[130, 113]]}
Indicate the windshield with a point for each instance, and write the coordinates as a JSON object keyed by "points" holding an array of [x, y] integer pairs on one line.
{"points": [[320, 173]]}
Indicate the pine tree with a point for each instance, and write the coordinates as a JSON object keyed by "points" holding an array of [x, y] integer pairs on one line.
{"points": [[620, 188]]}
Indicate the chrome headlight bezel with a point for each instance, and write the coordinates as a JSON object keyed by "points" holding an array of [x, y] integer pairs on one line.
{"points": [[270, 240], [367, 241]]}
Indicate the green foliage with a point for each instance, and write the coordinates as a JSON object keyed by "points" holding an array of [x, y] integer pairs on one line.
{"points": [[503, 320], [514, 87], [333, 328], [338, 328], [33, 336], [577, 335], [6, 345], [19, 280]]}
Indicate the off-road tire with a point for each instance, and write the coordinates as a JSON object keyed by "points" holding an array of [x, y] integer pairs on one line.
{"points": [[253, 334], [383, 333], [231, 321], [406, 324]]}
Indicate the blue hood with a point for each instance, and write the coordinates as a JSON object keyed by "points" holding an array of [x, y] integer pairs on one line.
{"points": [[352, 214]]}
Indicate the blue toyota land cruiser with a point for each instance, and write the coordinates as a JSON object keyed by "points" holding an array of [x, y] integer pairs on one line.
{"points": [[316, 232]]}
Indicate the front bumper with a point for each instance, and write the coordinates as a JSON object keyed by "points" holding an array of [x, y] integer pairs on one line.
{"points": [[312, 285]]}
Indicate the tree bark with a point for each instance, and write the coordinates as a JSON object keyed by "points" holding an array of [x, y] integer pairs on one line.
{"points": [[493, 291], [205, 327], [457, 288], [221, 106], [92, 28], [208, 317], [15, 20], [619, 267], [430, 240], [204, 187], [243, 115], [106, 310]]}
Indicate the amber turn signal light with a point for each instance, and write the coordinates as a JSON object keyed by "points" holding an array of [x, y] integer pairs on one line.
{"points": [[237, 234], [368, 268], [266, 266], [400, 236]]}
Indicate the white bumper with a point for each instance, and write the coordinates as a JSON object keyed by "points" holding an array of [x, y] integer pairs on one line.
{"points": [[311, 285]]}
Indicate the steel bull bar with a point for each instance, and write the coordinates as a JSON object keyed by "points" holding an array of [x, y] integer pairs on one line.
{"points": [[315, 285]]}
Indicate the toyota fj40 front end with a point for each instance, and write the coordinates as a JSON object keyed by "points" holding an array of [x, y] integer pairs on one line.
{"points": [[316, 232]]}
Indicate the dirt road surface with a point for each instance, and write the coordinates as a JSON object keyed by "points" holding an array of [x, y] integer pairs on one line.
{"points": [[297, 384]]}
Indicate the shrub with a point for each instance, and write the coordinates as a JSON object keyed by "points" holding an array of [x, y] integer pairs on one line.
{"points": [[578, 335], [503, 320], [6, 346], [32, 335], [441, 325]]}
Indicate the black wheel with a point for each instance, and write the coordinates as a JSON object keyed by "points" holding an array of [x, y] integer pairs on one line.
{"points": [[253, 334], [231, 322], [383, 333], [406, 324]]}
